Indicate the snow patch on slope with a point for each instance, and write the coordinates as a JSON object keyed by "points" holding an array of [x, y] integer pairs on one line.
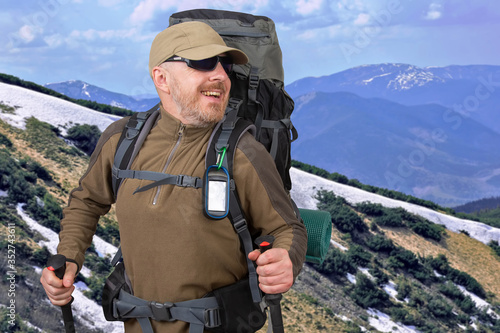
{"points": [[58, 112]]}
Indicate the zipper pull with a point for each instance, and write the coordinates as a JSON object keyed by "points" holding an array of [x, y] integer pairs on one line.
{"points": [[181, 130]]}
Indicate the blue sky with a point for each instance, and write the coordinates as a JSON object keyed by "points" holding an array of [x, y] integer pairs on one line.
{"points": [[107, 42]]}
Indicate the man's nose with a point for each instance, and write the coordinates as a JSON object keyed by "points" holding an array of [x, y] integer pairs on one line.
{"points": [[219, 73]]}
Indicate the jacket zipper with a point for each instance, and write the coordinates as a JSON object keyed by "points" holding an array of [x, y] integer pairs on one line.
{"points": [[179, 137]]}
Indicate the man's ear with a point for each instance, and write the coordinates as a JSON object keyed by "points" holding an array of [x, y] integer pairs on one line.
{"points": [[160, 79]]}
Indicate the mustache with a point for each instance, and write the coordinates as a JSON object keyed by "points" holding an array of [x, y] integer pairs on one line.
{"points": [[215, 86]]}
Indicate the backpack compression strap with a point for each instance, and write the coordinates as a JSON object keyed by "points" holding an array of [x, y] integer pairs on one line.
{"points": [[260, 122], [226, 137]]}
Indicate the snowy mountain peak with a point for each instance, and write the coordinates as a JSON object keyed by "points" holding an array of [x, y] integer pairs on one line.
{"points": [[395, 77], [409, 79], [82, 90]]}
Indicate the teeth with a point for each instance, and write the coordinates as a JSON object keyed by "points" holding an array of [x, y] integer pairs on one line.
{"points": [[211, 93]]}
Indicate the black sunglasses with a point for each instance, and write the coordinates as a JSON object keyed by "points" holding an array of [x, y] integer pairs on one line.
{"points": [[207, 65]]}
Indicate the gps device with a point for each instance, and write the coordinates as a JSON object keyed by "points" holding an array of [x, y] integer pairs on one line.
{"points": [[216, 192]]}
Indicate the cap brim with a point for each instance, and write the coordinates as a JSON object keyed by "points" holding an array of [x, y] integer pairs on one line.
{"points": [[208, 51]]}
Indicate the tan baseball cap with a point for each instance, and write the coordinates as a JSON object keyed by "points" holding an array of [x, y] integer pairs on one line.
{"points": [[192, 40]]}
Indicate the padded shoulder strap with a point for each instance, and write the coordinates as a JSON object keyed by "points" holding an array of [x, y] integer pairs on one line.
{"points": [[131, 140], [222, 145], [227, 134]]}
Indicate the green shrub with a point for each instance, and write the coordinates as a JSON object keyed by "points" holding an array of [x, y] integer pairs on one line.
{"points": [[403, 258], [418, 298], [467, 281], [401, 315], [84, 136], [380, 244], [380, 277], [440, 264], [5, 141], [439, 308], [20, 189], [428, 230], [403, 287], [367, 295], [358, 256], [336, 262], [327, 200], [390, 219], [46, 210], [41, 256], [495, 246], [371, 209], [39, 170]]}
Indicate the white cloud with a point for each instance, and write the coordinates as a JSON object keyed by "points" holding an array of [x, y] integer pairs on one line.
{"points": [[350, 5], [54, 41], [109, 3], [306, 7], [92, 34], [308, 35], [319, 35], [335, 31], [146, 9], [434, 12], [27, 33], [362, 19]]}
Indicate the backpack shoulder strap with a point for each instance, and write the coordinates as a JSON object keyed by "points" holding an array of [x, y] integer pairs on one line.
{"points": [[226, 135], [131, 140], [221, 149]]}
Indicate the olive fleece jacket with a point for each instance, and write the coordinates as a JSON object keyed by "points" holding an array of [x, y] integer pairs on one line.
{"points": [[171, 251]]}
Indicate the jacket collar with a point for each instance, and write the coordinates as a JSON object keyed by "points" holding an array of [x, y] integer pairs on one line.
{"points": [[171, 127]]}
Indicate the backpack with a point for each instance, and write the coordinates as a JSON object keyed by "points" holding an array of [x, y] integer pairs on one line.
{"points": [[258, 104], [259, 83]]}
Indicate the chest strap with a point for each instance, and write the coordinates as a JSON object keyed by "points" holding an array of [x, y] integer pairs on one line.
{"points": [[159, 178]]}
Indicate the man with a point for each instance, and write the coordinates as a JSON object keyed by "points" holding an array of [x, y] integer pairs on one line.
{"points": [[172, 252]]}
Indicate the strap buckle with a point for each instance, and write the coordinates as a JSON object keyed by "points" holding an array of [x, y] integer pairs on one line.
{"points": [[161, 311], [212, 318], [253, 81], [240, 225], [180, 181]]}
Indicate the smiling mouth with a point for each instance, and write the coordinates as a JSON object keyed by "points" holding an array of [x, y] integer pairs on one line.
{"points": [[211, 94]]}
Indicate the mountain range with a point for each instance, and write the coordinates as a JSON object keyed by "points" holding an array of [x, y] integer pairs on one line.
{"points": [[430, 132], [81, 90], [471, 91], [390, 145]]}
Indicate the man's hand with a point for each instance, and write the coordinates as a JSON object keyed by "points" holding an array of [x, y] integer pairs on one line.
{"points": [[59, 291], [275, 270]]}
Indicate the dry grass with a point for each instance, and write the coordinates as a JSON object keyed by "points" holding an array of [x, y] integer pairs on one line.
{"points": [[463, 252], [302, 313]]}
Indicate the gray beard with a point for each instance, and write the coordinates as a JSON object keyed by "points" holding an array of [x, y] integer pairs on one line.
{"points": [[188, 106]]}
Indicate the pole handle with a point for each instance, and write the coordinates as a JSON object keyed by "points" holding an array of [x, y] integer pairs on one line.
{"points": [[265, 243], [57, 264]]}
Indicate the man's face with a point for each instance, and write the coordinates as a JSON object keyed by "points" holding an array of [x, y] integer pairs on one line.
{"points": [[201, 96]]}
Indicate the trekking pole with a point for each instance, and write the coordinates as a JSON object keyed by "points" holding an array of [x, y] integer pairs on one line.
{"points": [[273, 300], [57, 264]]}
